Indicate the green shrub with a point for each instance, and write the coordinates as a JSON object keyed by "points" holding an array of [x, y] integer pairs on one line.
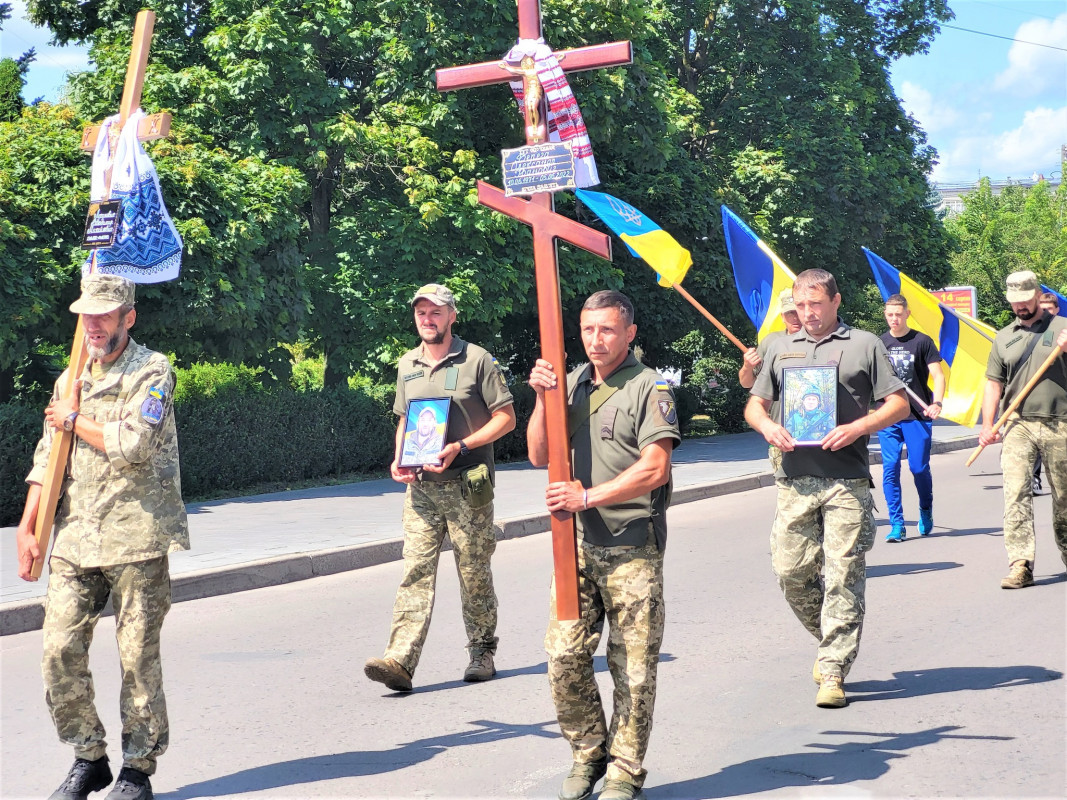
{"points": [[20, 429], [209, 380]]}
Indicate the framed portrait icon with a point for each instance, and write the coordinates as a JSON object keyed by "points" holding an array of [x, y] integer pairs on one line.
{"points": [[425, 426], [809, 402]]}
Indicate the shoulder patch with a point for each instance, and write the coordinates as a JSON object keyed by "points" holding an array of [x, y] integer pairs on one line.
{"points": [[662, 385], [668, 411], [152, 409]]}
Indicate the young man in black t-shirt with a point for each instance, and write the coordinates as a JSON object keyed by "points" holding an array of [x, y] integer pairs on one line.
{"points": [[915, 359]]}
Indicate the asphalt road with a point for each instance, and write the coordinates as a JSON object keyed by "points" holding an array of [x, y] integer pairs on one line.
{"points": [[958, 690]]}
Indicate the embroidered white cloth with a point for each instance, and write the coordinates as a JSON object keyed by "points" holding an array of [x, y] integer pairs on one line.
{"points": [[147, 248], [565, 121]]}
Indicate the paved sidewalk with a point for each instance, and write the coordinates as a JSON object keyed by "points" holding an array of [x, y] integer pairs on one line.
{"points": [[264, 540]]}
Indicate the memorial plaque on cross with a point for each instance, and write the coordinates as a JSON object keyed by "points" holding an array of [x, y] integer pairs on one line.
{"points": [[155, 126], [538, 212]]}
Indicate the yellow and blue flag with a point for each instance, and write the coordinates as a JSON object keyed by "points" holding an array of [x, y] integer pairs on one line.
{"points": [[760, 275], [1059, 297], [964, 343], [643, 237]]}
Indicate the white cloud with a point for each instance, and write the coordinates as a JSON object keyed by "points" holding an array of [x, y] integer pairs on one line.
{"points": [[1033, 146], [932, 116], [1032, 69]]}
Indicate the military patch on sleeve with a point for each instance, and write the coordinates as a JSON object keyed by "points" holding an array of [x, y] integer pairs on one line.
{"points": [[152, 407], [662, 385], [668, 411], [500, 372]]}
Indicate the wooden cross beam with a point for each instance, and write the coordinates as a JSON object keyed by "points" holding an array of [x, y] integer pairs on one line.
{"points": [[154, 127], [538, 212]]}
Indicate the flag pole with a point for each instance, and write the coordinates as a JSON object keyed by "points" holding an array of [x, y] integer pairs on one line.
{"points": [[1056, 353], [707, 315]]}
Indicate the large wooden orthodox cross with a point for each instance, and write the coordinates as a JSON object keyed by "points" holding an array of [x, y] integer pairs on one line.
{"points": [[151, 127], [539, 213]]}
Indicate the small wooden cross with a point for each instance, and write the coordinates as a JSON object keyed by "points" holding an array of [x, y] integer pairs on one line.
{"points": [[538, 212], [155, 126]]}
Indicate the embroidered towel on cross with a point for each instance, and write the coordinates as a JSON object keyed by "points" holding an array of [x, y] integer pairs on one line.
{"points": [[147, 248]]}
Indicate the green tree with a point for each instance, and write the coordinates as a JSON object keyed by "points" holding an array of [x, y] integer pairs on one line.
{"points": [[241, 290], [997, 234]]}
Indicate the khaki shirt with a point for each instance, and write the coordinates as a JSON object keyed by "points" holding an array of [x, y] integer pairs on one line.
{"points": [[474, 382], [1048, 398], [124, 504], [640, 412], [865, 375]]}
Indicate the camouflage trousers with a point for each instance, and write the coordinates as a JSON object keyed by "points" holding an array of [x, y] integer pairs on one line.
{"points": [[822, 531], [774, 455], [140, 595], [432, 509], [1025, 440], [623, 585]]}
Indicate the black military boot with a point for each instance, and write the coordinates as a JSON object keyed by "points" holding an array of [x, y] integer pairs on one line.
{"points": [[84, 777], [131, 785]]}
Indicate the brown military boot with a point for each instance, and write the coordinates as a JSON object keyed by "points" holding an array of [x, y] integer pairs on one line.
{"points": [[620, 790], [389, 672], [481, 668], [579, 783], [831, 692], [1019, 577]]}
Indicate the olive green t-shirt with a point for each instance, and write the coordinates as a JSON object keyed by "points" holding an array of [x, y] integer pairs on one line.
{"points": [[472, 379], [641, 411], [1048, 398], [864, 375]]}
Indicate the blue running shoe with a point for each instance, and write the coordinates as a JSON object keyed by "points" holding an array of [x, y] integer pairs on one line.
{"points": [[898, 534], [926, 521]]}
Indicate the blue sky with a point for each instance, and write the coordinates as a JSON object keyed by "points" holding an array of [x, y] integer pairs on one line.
{"points": [[989, 106]]}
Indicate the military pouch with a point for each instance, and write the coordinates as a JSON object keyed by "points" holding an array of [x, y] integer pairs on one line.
{"points": [[477, 485]]}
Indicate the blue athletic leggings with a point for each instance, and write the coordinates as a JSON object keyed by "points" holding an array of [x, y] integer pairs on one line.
{"points": [[917, 434]]}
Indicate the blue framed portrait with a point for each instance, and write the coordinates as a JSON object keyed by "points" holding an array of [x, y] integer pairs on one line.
{"points": [[809, 403], [425, 427]]}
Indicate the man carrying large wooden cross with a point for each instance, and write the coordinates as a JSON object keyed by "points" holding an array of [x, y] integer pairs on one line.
{"points": [[622, 446], [121, 513]]}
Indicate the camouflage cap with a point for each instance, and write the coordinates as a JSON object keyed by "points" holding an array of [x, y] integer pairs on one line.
{"points": [[102, 294], [785, 301], [1021, 286], [436, 294]]}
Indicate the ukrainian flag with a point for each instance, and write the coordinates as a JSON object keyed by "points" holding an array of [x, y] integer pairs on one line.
{"points": [[964, 342], [643, 237], [760, 275], [1060, 297]]}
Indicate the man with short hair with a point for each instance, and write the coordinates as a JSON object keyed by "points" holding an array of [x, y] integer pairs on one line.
{"points": [[824, 524], [455, 496], [1038, 427], [623, 427], [120, 516], [916, 360], [1050, 303]]}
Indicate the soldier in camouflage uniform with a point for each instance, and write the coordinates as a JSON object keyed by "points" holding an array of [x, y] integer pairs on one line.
{"points": [[454, 496], [1038, 427], [120, 515], [824, 524], [623, 425]]}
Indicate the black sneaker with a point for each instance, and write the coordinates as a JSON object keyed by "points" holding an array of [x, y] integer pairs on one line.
{"points": [[131, 785], [84, 777]]}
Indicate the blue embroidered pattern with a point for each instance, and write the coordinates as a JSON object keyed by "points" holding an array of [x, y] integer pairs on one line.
{"points": [[145, 244]]}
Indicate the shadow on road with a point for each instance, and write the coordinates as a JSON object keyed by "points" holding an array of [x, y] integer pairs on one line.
{"points": [[916, 683], [600, 664], [884, 570], [353, 764], [840, 764]]}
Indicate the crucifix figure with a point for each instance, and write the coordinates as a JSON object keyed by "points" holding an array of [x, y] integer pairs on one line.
{"points": [[538, 212], [156, 126]]}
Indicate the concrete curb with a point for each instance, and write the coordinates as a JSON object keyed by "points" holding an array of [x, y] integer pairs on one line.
{"points": [[28, 615]]}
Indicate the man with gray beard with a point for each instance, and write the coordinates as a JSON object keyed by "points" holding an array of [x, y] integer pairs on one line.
{"points": [[120, 515]]}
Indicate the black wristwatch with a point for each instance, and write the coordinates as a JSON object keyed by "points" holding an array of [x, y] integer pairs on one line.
{"points": [[463, 449]]}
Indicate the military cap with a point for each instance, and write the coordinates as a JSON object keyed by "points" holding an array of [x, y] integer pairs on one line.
{"points": [[1021, 286], [102, 294], [785, 301], [437, 294]]}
